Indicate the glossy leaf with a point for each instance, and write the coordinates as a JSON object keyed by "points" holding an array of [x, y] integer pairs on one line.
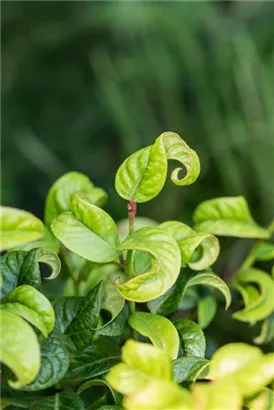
{"points": [[165, 267], [258, 308], [267, 331], [87, 231], [191, 336], [20, 349], [54, 363], [96, 360], [65, 400], [142, 176], [59, 194], [228, 216], [158, 329], [22, 268], [171, 300], [160, 394], [66, 309], [199, 250], [18, 227], [207, 308], [139, 222], [189, 368], [31, 305], [47, 242], [264, 251]]}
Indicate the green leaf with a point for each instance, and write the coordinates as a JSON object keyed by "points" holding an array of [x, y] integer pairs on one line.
{"points": [[262, 401], [116, 327], [83, 326], [165, 268], [22, 268], [66, 309], [158, 329], [109, 408], [227, 217], [160, 394], [47, 242], [216, 396], [96, 360], [264, 251], [191, 336], [139, 222], [87, 231], [199, 250], [189, 368], [207, 308], [267, 331], [31, 305], [66, 400], [18, 227], [98, 383], [171, 300], [54, 363], [58, 198], [142, 176], [260, 307], [20, 349]]}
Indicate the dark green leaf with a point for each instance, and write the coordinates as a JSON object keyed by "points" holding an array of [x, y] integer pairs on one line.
{"points": [[207, 308], [65, 400], [189, 368], [267, 331], [95, 383], [191, 337], [66, 309]]}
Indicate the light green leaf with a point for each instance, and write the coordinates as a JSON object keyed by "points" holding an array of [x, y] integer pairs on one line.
{"points": [[267, 331], [166, 262], [228, 216], [191, 336], [96, 360], [207, 308], [47, 242], [59, 194], [20, 349], [160, 394], [22, 268], [109, 407], [54, 363], [189, 368], [262, 401], [87, 231], [158, 329], [217, 396], [32, 305], [199, 250], [18, 227], [139, 222], [260, 307], [142, 176], [171, 300], [264, 251], [65, 400]]}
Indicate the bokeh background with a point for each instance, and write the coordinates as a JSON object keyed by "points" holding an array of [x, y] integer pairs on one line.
{"points": [[85, 84]]}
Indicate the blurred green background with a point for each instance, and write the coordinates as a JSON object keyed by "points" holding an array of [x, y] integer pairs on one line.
{"points": [[85, 84]]}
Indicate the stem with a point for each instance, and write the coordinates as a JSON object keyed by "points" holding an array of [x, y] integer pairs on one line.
{"points": [[132, 206]]}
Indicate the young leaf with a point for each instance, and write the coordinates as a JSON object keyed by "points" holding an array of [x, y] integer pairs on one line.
{"points": [[57, 200], [191, 337], [165, 264], [142, 176], [20, 349], [87, 231], [227, 217], [96, 360], [198, 250], [262, 401], [170, 301], [216, 396], [32, 305], [64, 400], [261, 307], [158, 329], [18, 227], [47, 242], [54, 363], [189, 368], [267, 331], [139, 222], [207, 308]]}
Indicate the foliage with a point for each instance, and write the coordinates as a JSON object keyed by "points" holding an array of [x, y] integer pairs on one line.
{"points": [[115, 337]]}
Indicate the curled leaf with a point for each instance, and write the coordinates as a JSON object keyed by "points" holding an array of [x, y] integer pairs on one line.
{"points": [[58, 198], [18, 227], [20, 349], [87, 231], [158, 329], [165, 268], [142, 176], [199, 250], [27, 302], [267, 331], [258, 306], [228, 216]]}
